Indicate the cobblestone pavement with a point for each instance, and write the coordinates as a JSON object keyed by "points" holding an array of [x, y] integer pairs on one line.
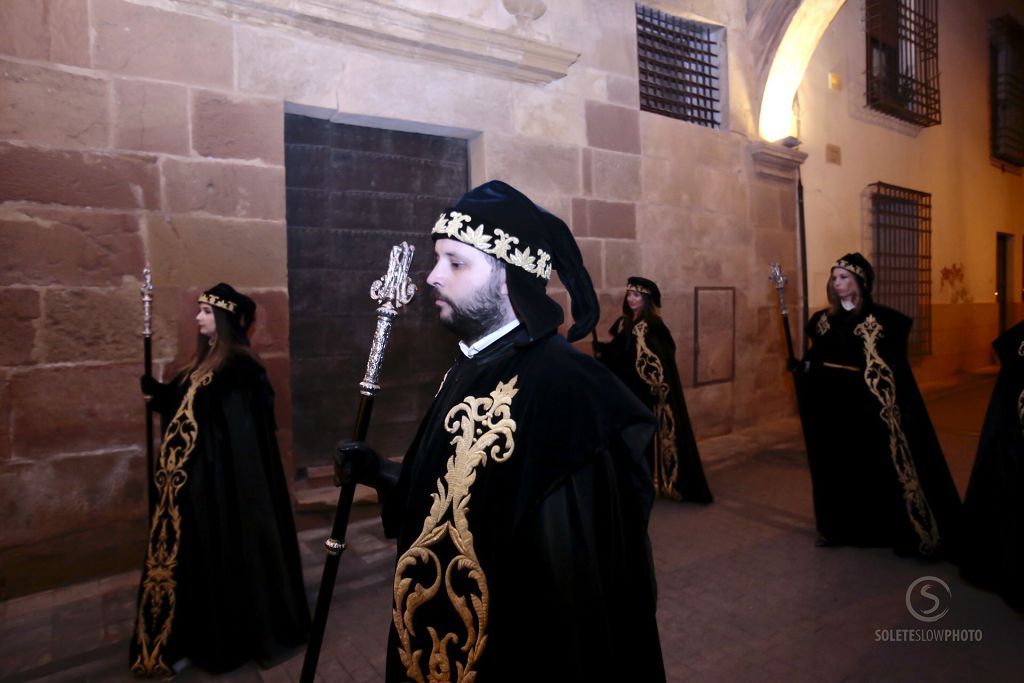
{"points": [[744, 594]]}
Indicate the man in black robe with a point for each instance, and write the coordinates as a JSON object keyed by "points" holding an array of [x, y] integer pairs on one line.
{"points": [[993, 555], [521, 506]]}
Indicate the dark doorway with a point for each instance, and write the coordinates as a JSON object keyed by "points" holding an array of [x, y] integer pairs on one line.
{"points": [[1004, 297], [352, 193]]}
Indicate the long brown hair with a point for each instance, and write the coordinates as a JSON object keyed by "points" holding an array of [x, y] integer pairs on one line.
{"points": [[647, 312], [213, 352]]}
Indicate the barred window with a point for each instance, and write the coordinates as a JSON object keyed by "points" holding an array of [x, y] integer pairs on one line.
{"points": [[901, 222], [1006, 89], [903, 59], [679, 67]]}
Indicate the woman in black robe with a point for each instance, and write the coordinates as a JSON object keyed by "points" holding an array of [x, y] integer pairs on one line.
{"points": [[643, 355], [222, 583], [993, 554], [878, 474]]}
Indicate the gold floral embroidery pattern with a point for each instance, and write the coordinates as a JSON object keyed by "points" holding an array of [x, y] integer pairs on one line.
{"points": [[823, 326], [158, 599], [483, 430], [451, 225], [666, 458], [879, 378], [1020, 399], [443, 380], [856, 270], [1020, 407]]}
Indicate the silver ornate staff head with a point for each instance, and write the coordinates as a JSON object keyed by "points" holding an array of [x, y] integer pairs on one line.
{"points": [[779, 280], [395, 288], [147, 302], [775, 275], [392, 291]]}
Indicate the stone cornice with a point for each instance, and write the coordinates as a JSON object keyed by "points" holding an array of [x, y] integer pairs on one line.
{"points": [[399, 31], [776, 162]]}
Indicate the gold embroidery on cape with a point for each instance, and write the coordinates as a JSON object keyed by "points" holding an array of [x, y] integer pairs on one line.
{"points": [[1020, 407], [880, 380], [666, 457], [483, 430], [823, 326], [1020, 399], [443, 380], [158, 599]]}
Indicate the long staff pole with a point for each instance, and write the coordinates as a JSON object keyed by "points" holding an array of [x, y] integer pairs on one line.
{"points": [[147, 363], [391, 291], [801, 225], [779, 280]]}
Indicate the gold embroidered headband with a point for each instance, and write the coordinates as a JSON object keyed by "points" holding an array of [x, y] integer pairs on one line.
{"points": [[638, 288], [856, 270], [452, 224], [215, 300]]}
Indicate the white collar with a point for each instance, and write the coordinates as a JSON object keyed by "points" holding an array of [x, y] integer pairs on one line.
{"points": [[482, 343], [848, 304]]}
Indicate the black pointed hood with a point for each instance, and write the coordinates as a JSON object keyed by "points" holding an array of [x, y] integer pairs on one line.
{"points": [[501, 221]]}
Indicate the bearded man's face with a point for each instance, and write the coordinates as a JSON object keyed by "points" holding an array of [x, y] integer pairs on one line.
{"points": [[469, 290]]}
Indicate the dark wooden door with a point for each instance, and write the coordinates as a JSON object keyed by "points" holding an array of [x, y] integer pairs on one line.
{"points": [[353, 192]]}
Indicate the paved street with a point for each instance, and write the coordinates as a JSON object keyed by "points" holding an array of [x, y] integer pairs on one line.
{"points": [[744, 594]]}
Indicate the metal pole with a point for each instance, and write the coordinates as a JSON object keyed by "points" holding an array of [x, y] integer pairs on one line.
{"points": [[779, 280], [147, 363], [392, 291], [803, 256]]}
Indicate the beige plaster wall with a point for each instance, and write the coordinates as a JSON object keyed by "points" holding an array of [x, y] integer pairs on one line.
{"points": [[972, 198]]}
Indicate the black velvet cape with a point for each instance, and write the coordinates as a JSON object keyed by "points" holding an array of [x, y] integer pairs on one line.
{"points": [[993, 556], [222, 583], [878, 473], [521, 516], [643, 356]]}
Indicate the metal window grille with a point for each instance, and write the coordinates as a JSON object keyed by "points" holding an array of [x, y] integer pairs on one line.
{"points": [[903, 59], [902, 234], [679, 67], [1006, 89]]}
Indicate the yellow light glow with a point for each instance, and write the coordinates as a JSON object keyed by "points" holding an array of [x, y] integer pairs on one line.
{"points": [[791, 58]]}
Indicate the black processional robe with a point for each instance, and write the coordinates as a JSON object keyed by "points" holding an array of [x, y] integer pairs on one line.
{"points": [[521, 517], [643, 356], [878, 473], [993, 554], [222, 583]]}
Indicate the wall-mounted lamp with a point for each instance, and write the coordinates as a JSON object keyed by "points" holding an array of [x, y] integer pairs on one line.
{"points": [[802, 36]]}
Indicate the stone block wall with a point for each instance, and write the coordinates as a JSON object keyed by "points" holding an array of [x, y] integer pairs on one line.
{"points": [[123, 143], [707, 219], [152, 132]]}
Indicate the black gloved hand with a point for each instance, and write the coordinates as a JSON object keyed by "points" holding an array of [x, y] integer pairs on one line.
{"points": [[354, 461], [150, 386], [797, 367]]}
